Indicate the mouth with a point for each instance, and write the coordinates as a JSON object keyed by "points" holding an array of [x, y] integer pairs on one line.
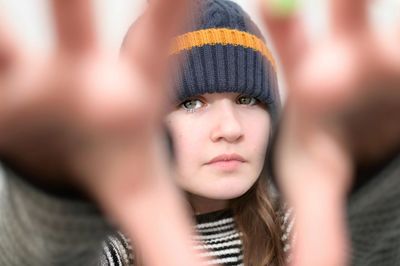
{"points": [[226, 161]]}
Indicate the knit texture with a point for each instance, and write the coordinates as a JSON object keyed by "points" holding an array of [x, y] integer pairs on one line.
{"points": [[218, 240], [224, 51], [36, 229], [40, 230], [374, 219]]}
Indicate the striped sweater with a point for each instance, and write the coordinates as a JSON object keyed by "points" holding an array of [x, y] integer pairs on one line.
{"points": [[217, 239], [40, 229]]}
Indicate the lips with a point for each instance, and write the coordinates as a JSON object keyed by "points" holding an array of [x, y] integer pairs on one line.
{"points": [[227, 158]]}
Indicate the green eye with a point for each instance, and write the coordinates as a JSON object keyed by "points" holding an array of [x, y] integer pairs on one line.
{"points": [[246, 100], [192, 105]]}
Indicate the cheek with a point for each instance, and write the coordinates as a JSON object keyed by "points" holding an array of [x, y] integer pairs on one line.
{"points": [[258, 139], [187, 143], [185, 149]]}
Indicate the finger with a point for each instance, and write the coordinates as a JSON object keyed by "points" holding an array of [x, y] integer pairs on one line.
{"points": [[148, 41], [9, 55], [74, 25], [349, 16], [8, 48], [165, 17], [287, 33]]}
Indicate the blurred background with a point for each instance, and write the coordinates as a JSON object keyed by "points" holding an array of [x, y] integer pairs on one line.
{"points": [[31, 19]]}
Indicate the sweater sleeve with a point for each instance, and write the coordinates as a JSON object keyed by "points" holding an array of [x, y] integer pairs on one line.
{"points": [[39, 229], [374, 218], [117, 250], [287, 220]]}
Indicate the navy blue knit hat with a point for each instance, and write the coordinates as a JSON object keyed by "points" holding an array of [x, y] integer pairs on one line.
{"points": [[224, 51]]}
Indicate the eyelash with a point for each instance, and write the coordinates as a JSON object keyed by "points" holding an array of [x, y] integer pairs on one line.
{"points": [[182, 104], [256, 101]]}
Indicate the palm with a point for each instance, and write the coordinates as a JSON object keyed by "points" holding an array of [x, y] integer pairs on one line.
{"points": [[97, 121], [346, 70], [337, 89], [81, 91]]}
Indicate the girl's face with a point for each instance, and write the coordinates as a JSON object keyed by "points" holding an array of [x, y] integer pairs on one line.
{"points": [[220, 141]]}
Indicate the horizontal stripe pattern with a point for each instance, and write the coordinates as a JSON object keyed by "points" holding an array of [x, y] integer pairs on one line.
{"points": [[221, 36], [218, 239], [117, 251]]}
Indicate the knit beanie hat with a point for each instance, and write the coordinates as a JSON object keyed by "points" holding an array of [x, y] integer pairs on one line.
{"points": [[222, 50]]}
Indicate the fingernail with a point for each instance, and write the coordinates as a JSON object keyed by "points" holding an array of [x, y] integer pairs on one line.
{"points": [[281, 8]]}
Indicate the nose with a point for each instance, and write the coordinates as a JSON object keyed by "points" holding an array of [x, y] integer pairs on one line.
{"points": [[227, 125]]}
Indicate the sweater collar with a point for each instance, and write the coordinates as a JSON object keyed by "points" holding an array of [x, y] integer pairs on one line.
{"points": [[214, 216]]}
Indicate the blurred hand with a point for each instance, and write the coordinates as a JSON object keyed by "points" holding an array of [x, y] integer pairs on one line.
{"points": [[79, 118], [343, 106]]}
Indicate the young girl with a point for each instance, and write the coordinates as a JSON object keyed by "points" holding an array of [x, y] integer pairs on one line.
{"points": [[226, 105]]}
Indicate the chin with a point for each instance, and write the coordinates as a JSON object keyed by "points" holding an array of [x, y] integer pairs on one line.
{"points": [[226, 190]]}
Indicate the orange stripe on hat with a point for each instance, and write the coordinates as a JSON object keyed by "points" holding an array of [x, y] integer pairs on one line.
{"points": [[221, 36]]}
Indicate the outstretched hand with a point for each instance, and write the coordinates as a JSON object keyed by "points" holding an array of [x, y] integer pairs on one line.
{"points": [[81, 119], [343, 106]]}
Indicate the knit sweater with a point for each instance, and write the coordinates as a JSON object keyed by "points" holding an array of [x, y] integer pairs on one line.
{"points": [[217, 239], [38, 229], [374, 215]]}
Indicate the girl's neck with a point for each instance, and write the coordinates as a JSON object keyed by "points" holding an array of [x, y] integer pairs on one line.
{"points": [[203, 205]]}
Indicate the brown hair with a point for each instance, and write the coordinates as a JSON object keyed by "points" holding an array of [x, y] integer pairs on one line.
{"points": [[256, 217]]}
